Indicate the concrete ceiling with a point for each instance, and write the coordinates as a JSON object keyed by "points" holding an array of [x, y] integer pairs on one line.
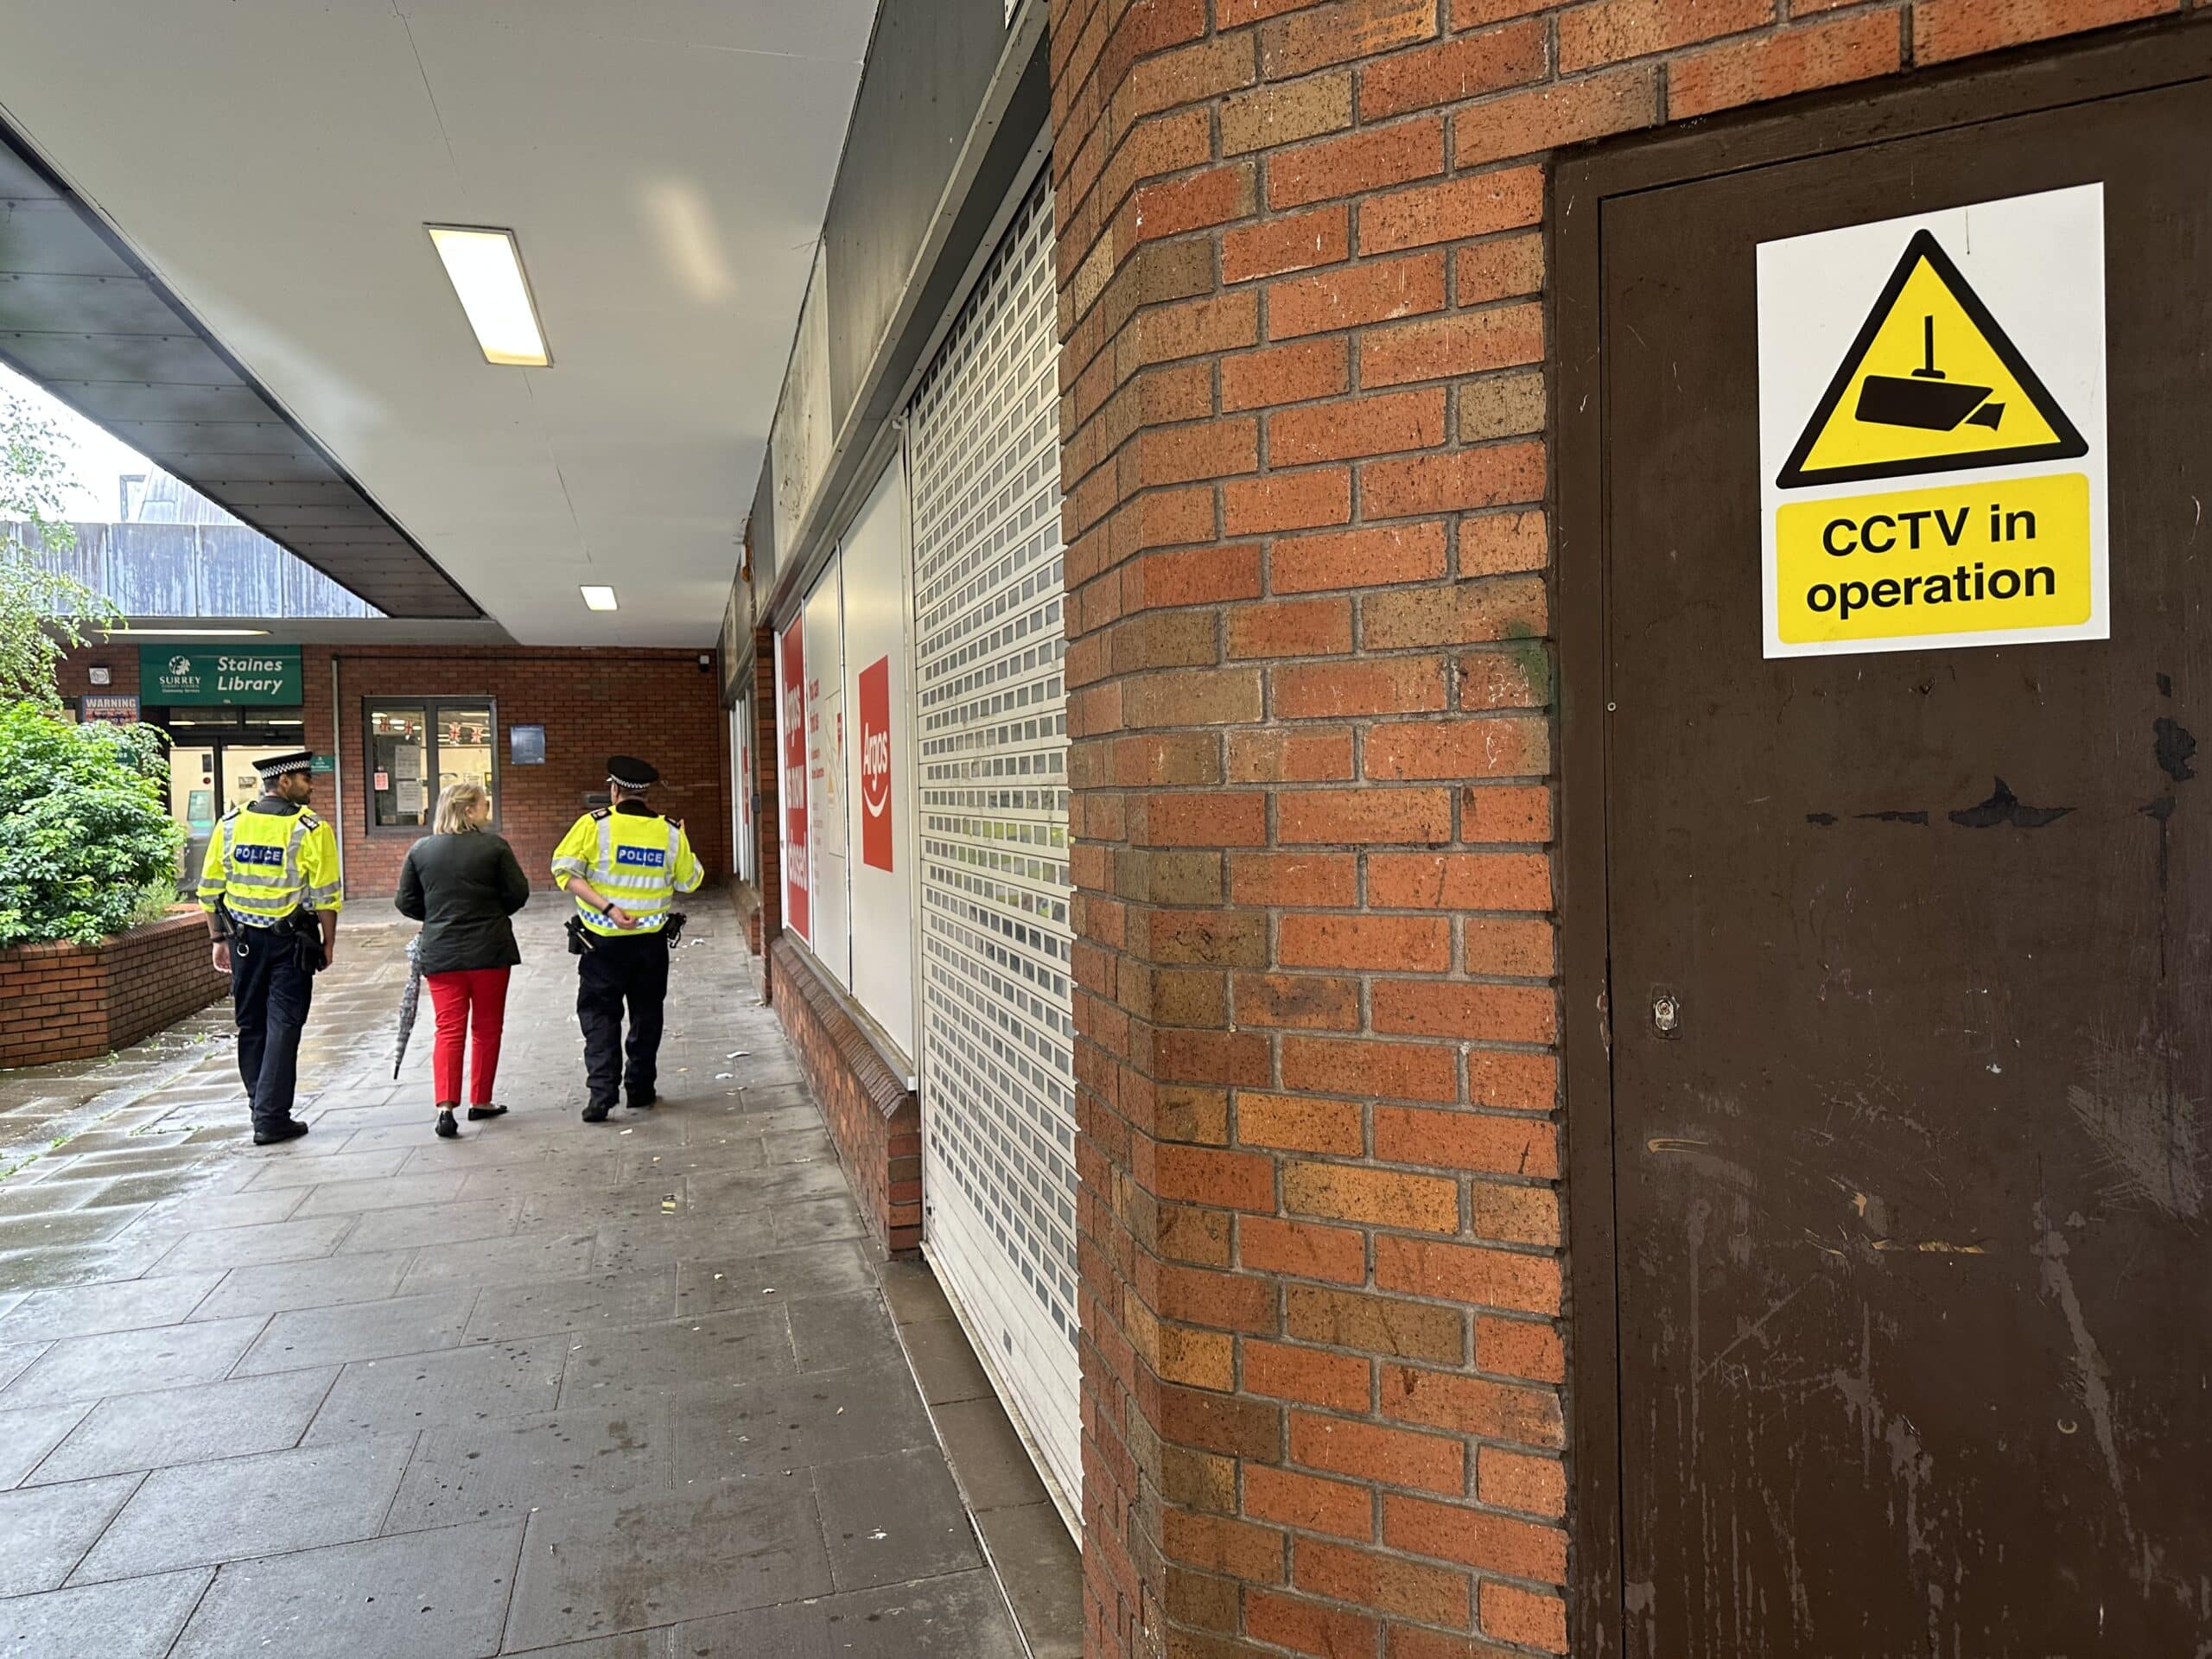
{"points": [[664, 163]]}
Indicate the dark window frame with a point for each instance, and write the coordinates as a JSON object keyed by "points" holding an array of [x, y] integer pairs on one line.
{"points": [[429, 706]]}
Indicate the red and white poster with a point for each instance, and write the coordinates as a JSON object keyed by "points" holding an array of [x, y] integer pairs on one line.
{"points": [[793, 666], [875, 764]]}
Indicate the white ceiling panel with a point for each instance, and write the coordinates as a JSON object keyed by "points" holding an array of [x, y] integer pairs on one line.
{"points": [[664, 165]]}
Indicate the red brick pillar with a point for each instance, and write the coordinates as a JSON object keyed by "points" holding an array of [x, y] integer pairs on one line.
{"points": [[1301, 266], [1310, 691]]}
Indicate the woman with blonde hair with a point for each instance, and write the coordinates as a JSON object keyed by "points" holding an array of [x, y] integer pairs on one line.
{"points": [[461, 883]]}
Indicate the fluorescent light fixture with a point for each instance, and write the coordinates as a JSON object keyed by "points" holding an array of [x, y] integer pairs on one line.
{"points": [[485, 267], [598, 599], [184, 634]]}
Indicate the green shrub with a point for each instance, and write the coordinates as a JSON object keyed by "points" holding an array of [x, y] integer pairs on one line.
{"points": [[85, 837]]}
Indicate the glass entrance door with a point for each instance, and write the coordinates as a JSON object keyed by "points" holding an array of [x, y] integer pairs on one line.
{"points": [[206, 781], [192, 797], [211, 756], [241, 783]]}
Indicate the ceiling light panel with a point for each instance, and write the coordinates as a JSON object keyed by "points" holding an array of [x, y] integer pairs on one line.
{"points": [[485, 267], [598, 599]]}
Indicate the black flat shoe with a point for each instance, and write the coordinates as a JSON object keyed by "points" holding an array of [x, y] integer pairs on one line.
{"points": [[448, 1129], [595, 1114], [290, 1129], [478, 1113]]}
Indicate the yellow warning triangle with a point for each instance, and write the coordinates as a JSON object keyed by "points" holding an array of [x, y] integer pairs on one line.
{"points": [[1931, 384]]}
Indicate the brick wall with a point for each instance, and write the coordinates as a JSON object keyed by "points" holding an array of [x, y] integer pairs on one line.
{"points": [[122, 666], [72, 1002], [656, 704], [1302, 303], [871, 1114]]}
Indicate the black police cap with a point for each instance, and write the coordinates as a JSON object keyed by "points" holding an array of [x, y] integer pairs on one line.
{"points": [[276, 766], [631, 772]]}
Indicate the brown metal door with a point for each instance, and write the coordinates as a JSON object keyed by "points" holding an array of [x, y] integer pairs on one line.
{"points": [[1914, 1247]]}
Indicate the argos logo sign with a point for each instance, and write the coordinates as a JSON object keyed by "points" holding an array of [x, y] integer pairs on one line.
{"points": [[875, 773], [875, 764]]}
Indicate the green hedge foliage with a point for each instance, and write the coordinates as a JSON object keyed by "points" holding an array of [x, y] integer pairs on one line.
{"points": [[87, 845]]}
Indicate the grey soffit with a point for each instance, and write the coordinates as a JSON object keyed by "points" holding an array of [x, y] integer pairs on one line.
{"points": [[79, 317]]}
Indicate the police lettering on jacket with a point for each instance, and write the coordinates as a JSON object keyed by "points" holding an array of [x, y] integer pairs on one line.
{"points": [[260, 867]]}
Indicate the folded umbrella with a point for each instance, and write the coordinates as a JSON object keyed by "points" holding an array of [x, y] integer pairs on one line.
{"points": [[408, 1000]]}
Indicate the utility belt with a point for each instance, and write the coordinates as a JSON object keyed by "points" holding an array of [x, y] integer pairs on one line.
{"points": [[300, 931], [582, 940]]}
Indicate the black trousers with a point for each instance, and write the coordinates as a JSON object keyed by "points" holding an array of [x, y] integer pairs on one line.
{"points": [[270, 990], [616, 971]]}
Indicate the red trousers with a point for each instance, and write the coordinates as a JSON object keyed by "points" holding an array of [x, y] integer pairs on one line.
{"points": [[471, 1004]]}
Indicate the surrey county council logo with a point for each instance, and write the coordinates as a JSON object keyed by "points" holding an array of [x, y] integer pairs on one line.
{"points": [[181, 666]]}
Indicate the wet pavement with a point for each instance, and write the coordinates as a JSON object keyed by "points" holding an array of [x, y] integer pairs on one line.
{"points": [[44, 1105], [629, 1391]]}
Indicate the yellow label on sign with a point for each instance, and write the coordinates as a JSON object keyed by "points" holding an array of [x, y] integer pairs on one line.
{"points": [[1931, 384], [1988, 556]]}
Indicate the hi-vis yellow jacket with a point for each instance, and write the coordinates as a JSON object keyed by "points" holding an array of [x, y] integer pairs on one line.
{"points": [[637, 860], [263, 866]]}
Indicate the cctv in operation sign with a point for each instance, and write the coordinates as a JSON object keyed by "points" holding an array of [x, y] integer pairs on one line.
{"points": [[230, 675], [1932, 429]]}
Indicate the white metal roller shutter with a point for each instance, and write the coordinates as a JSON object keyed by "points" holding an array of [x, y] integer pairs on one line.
{"points": [[998, 1101]]}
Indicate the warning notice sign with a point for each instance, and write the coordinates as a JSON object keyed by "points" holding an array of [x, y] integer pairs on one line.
{"points": [[1932, 426]]}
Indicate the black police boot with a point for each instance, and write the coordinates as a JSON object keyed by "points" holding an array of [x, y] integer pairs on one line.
{"points": [[290, 1129], [596, 1113], [639, 1101]]}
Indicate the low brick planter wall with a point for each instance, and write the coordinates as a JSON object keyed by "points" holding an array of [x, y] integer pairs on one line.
{"points": [[873, 1116], [72, 1001]]}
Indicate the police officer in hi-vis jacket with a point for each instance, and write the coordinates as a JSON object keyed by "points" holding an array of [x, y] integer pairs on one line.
{"points": [[269, 887], [624, 865]]}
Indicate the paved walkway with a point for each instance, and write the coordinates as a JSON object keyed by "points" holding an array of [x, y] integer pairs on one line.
{"points": [[623, 1392]]}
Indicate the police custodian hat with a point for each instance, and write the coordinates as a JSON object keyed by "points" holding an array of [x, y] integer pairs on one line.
{"points": [[631, 772], [276, 766]]}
